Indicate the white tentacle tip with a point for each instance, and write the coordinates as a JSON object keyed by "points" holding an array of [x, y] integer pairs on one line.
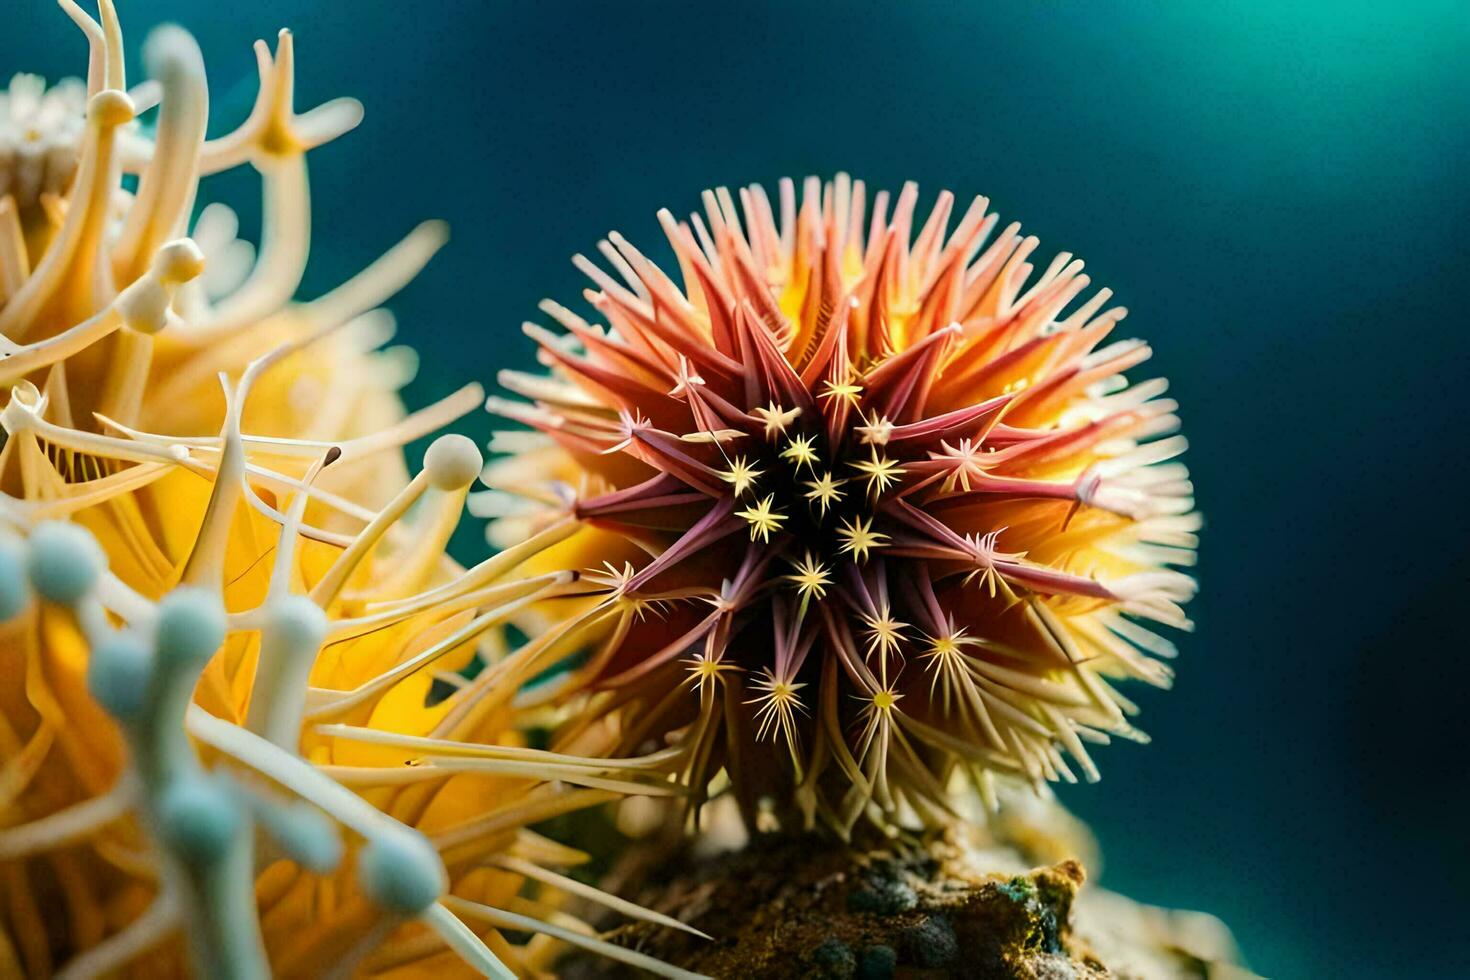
{"points": [[452, 462]]}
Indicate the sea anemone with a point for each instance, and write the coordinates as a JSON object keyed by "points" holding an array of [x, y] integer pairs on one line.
{"points": [[74, 247], [224, 606], [869, 509]]}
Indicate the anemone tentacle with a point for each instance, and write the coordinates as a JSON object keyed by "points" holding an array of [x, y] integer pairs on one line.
{"points": [[230, 633]]}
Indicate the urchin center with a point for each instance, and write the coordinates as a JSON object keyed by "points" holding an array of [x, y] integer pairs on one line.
{"points": [[821, 497]]}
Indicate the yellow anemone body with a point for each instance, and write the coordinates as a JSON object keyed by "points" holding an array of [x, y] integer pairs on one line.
{"points": [[165, 394]]}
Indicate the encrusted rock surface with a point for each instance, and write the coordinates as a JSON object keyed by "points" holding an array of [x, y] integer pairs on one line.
{"points": [[964, 904]]}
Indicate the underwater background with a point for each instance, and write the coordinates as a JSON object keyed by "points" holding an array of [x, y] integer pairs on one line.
{"points": [[1276, 191]]}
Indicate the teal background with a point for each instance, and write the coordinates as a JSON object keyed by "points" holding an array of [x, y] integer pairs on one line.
{"points": [[1278, 193]]}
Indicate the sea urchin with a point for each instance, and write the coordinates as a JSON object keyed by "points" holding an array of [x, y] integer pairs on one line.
{"points": [[897, 513]]}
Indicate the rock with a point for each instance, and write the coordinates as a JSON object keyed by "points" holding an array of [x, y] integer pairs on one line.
{"points": [[960, 904], [835, 959], [879, 963], [931, 942]]}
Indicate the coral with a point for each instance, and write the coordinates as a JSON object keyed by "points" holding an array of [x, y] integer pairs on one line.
{"points": [[869, 509], [249, 700]]}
